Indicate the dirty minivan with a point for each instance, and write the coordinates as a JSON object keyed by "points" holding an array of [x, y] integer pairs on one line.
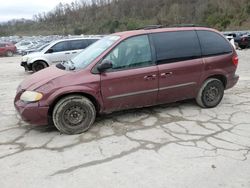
{"points": [[130, 69]]}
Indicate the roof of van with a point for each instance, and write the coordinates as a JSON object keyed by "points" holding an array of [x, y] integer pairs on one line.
{"points": [[77, 38], [159, 30]]}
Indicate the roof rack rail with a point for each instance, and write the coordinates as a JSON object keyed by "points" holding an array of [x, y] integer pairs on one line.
{"points": [[148, 27], [187, 25]]}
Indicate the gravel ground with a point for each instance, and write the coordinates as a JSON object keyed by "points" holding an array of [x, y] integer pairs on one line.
{"points": [[174, 145]]}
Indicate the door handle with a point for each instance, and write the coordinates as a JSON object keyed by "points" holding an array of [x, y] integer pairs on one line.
{"points": [[166, 74], [150, 77], [74, 52], [67, 53]]}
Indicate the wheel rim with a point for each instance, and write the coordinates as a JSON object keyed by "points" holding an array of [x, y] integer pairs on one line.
{"points": [[74, 116], [9, 53], [212, 94], [39, 66]]}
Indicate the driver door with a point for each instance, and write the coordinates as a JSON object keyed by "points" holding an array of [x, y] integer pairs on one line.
{"points": [[133, 80]]}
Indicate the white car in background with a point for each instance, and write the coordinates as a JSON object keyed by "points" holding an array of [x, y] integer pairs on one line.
{"points": [[56, 52], [24, 45]]}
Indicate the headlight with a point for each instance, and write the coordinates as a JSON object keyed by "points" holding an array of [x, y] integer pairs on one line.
{"points": [[31, 96]]}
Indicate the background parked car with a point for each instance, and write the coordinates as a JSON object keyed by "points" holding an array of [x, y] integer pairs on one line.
{"points": [[24, 45], [7, 49], [56, 52], [241, 38], [36, 48], [231, 40]]}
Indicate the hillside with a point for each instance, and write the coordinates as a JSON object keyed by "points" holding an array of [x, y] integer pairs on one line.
{"points": [[108, 16]]}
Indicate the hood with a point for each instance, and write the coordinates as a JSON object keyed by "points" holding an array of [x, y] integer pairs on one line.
{"points": [[30, 56], [33, 54], [42, 77]]}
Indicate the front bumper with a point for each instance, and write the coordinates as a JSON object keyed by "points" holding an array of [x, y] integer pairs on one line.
{"points": [[26, 66], [32, 112]]}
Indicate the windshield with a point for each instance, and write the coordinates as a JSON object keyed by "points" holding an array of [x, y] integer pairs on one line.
{"points": [[42, 47], [91, 53]]}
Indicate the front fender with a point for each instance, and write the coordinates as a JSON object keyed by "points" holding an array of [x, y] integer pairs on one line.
{"points": [[58, 93]]}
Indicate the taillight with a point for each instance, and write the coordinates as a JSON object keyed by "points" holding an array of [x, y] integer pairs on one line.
{"points": [[243, 39], [235, 60]]}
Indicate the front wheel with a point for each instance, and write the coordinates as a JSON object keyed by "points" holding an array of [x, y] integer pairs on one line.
{"points": [[38, 65], [9, 53], [211, 93], [74, 114]]}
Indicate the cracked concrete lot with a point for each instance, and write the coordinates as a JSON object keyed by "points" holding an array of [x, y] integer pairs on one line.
{"points": [[174, 145]]}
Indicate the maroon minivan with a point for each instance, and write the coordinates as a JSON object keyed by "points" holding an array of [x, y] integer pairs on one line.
{"points": [[130, 69]]}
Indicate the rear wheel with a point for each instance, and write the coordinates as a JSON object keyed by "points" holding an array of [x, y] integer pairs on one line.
{"points": [[243, 46], [38, 65], [9, 53], [74, 114], [211, 93]]}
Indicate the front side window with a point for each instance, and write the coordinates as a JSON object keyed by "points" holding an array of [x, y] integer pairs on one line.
{"points": [[60, 47], [131, 53], [176, 46], [213, 44]]}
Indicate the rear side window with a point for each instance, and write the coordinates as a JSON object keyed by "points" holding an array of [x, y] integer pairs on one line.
{"points": [[78, 44], [176, 46], [91, 41], [213, 44]]}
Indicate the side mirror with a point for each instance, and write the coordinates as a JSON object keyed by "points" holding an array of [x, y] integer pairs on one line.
{"points": [[49, 51], [104, 65]]}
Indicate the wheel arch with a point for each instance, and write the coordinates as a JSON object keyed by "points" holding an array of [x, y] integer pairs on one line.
{"points": [[35, 59], [220, 77], [40, 60]]}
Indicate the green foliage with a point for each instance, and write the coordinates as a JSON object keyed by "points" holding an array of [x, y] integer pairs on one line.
{"points": [[132, 24], [248, 9], [78, 31], [108, 16]]}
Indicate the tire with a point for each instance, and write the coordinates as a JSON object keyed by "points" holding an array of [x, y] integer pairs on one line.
{"points": [[211, 93], [38, 65], [243, 46], [9, 53], [73, 114]]}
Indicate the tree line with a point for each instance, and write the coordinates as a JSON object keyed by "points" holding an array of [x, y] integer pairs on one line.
{"points": [[108, 16]]}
